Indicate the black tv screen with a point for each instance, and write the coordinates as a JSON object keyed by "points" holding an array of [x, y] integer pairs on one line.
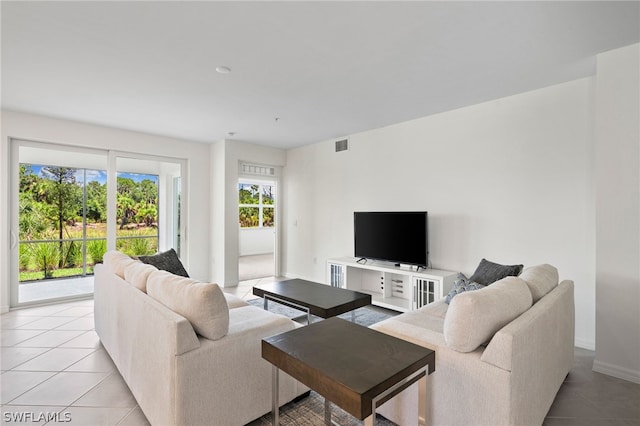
{"points": [[399, 237]]}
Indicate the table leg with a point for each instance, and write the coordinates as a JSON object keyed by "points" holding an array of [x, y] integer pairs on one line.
{"points": [[275, 405], [266, 304], [327, 412], [422, 402], [353, 316]]}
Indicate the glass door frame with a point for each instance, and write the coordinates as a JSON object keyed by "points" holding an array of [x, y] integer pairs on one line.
{"points": [[276, 183], [165, 239], [14, 190], [111, 160]]}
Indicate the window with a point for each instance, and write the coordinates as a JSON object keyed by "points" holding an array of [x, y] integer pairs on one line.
{"points": [[137, 214], [256, 205], [63, 213], [61, 224]]}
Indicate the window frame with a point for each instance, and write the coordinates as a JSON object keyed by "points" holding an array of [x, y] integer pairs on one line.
{"points": [[261, 205]]}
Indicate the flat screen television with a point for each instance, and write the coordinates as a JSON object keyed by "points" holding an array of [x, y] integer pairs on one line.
{"points": [[398, 237]]}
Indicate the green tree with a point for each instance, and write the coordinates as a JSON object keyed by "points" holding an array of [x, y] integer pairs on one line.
{"points": [[28, 179], [147, 214], [147, 192], [125, 209], [65, 196], [32, 217], [126, 203], [249, 194], [96, 201]]}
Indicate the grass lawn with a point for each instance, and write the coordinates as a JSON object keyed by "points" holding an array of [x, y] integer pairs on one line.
{"points": [[57, 273]]}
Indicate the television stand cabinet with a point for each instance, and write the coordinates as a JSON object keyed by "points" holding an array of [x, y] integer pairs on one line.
{"points": [[401, 288]]}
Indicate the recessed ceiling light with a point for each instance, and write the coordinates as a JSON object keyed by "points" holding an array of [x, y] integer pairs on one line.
{"points": [[231, 133], [223, 70]]}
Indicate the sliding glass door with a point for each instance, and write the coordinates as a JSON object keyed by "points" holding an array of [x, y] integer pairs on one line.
{"points": [[147, 204], [60, 219], [63, 219]]}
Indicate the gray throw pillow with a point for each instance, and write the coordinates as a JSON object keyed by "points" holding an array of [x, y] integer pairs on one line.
{"points": [[462, 284], [489, 272], [166, 261]]}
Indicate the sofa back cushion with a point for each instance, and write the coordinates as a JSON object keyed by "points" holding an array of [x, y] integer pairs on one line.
{"points": [[541, 279], [117, 262], [203, 304], [489, 272], [167, 261], [474, 317], [137, 274]]}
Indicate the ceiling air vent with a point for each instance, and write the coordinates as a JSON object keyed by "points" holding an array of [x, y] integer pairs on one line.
{"points": [[256, 169], [342, 145]]}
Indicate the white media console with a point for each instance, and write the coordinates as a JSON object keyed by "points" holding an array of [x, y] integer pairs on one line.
{"points": [[401, 288]]}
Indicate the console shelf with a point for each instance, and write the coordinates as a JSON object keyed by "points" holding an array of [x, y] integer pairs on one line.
{"points": [[401, 288]]}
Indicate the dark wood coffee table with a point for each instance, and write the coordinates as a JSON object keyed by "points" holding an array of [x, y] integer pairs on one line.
{"points": [[354, 367], [316, 299]]}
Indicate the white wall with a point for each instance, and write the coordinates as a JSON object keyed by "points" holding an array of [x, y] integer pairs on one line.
{"points": [[225, 158], [510, 180], [256, 241], [38, 128], [618, 214]]}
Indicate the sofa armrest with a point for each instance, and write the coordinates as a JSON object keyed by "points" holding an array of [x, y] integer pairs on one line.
{"points": [[548, 323], [232, 369], [459, 376], [538, 349]]}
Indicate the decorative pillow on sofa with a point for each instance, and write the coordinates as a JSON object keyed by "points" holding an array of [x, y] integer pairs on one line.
{"points": [[137, 274], [489, 272], [203, 304], [462, 284], [117, 262], [167, 261], [541, 279], [475, 316]]}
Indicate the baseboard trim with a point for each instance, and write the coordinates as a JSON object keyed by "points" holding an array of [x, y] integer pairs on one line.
{"points": [[616, 371], [585, 344]]}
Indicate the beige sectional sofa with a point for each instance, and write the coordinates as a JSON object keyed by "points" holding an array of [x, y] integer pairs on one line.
{"points": [[190, 353], [502, 352]]}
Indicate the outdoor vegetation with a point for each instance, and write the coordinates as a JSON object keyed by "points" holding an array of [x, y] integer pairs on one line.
{"points": [[59, 237], [256, 204]]}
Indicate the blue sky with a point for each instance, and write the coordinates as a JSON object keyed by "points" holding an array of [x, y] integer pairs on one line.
{"points": [[101, 175]]}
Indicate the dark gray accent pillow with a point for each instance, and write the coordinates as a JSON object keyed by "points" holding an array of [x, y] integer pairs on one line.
{"points": [[489, 272], [167, 261], [462, 284]]}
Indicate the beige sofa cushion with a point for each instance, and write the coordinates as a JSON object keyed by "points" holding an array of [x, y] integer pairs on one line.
{"points": [[117, 262], [474, 317], [203, 304], [234, 301], [541, 279], [137, 274]]}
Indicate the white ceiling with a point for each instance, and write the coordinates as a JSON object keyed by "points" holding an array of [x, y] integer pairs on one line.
{"points": [[325, 69]]}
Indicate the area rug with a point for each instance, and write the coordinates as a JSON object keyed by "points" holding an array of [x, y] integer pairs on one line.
{"points": [[366, 315], [310, 411]]}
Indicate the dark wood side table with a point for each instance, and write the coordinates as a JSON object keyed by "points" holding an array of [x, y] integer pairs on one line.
{"points": [[316, 299], [352, 366]]}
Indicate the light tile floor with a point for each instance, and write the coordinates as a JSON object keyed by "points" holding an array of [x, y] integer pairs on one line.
{"points": [[55, 371], [52, 364]]}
